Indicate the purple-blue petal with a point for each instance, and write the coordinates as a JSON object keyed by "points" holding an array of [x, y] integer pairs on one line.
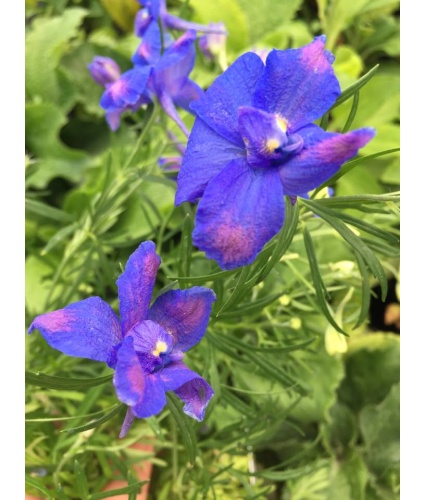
{"points": [[127, 90], [87, 329], [142, 21], [190, 91], [149, 50], [175, 64], [128, 422], [143, 392], [242, 209], [262, 135], [167, 104], [298, 84], [218, 107], [152, 343], [196, 395], [175, 375], [322, 156], [206, 155], [136, 284], [184, 314]]}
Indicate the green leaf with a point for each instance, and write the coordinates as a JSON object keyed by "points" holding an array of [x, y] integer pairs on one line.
{"points": [[81, 480], [267, 16], [49, 382], [355, 87], [42, 125], [318, 282], [42, 209], [44, 46], [357, 243], [47, 495], [133, 488], [380, 427], [186, 246], [372, 365], [365, 304], [185, 426], [349, 478], [95, 423]]}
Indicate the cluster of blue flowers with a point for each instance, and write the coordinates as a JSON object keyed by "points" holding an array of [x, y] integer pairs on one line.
{"points": [[252, 143]]}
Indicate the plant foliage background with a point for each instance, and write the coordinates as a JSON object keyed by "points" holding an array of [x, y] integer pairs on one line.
{"points": [[300, 411]]}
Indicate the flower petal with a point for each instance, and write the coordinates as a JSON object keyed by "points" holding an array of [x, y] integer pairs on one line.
{"points": [[206, 155], [152, 344], [184, 314], [218, 107], [127, 90], [136, 283], [299, 84], [190, 91], [175, 64], [196, 395], [128, 422], [149, 50], [143, 392], [322, 157], [87, 329], [175, 375], [242, 208]]}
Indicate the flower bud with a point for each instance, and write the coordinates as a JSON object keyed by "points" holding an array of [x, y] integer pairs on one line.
{"points": [[104, 70]]}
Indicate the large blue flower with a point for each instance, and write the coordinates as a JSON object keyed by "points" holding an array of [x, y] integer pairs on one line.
{"points": [[147, 346], [253, 142]]}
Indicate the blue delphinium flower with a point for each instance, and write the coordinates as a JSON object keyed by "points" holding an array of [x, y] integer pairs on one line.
{"points": [[164, 76], [147, 346], [253, 142], [156, 11]]}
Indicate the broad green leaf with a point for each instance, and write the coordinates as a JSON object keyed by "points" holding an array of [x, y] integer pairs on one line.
{"points": [[341, 430], [380, 428], [45, 44], [122, 12], [268, 15], [42, 125], [339, 14], [229, 12], [372, 366], [348, 478]]}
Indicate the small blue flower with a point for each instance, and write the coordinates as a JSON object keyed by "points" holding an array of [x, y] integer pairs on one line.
{"points": [[254, 141], [156, 10], [165, 77], [146, 346]]}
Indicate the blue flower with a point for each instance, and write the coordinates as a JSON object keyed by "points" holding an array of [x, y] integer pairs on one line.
{"points": [[254, 141], [156, 10], [165, 77], [146, 347]]}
